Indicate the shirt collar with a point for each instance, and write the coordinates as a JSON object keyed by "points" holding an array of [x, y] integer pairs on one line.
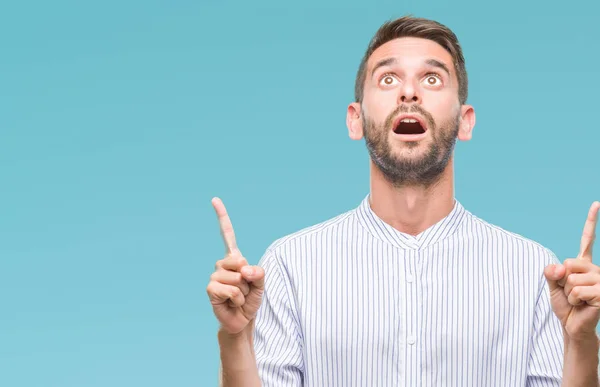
{"points": [[438, 231]]}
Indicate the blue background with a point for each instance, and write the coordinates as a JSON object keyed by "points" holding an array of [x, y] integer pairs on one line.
{"points": [[121, 120]]}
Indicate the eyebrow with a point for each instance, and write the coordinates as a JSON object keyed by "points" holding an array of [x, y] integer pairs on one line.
{"points": [[392, 61], [438, 64], [382, 63]]}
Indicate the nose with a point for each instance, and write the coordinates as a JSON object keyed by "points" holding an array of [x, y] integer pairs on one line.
{"points": [[409, 93], [409, 98]]}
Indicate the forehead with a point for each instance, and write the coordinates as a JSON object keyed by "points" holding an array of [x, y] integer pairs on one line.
{"points": [[411, 51]]}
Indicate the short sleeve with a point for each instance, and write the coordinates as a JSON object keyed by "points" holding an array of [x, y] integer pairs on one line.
{"points": [[547, 345], [277, 337]]}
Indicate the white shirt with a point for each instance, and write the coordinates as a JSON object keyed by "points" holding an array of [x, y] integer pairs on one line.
{"points": [[354, 302]]}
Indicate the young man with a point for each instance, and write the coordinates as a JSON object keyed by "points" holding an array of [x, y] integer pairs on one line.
{"points": [[409, 288]]}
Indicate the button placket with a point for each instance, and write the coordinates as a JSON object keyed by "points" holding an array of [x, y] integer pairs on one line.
{"points": [[412, 291]]}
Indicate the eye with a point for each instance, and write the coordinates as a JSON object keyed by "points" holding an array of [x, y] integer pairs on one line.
{"points": [[433, 80], [388, 80]]}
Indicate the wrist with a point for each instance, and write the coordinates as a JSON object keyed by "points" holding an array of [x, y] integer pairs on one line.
{"points": [[242, 336], [587, 340], [238, 361], [237, 349]]}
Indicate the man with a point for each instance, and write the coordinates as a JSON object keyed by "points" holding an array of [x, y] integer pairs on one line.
{"points": [[409, 288]]}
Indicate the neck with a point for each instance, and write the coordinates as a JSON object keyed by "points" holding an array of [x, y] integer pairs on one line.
{"points": [[412, 209]]}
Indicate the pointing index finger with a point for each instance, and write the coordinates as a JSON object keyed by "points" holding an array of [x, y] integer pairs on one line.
{"points": [[589, 232], [225, 225]]}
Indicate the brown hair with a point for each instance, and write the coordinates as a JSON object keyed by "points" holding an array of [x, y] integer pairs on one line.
{"points": [[410, 26]]}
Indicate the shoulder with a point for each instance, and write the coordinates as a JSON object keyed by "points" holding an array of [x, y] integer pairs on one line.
{"points": [[314, 236], [526, 247]]}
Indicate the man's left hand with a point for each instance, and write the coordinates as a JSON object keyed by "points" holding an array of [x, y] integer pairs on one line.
{"points": [[575, 286]]}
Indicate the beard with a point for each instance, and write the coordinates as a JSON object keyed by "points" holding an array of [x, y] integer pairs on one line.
{"points": [[423, 170]]}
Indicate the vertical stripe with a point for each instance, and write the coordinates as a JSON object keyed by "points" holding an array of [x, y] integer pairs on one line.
{"points": [[353, 302]]}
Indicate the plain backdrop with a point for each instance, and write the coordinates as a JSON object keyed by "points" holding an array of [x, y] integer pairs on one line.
{"points": [[120, 120]]}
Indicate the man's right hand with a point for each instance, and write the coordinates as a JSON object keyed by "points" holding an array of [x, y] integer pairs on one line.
{"points": [[235, 289]]}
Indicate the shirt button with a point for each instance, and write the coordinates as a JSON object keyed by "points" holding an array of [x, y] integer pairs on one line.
{"points": [[409, 278], [411, 340]]}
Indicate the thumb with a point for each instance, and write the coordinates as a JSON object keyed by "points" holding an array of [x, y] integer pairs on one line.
{"points": [[553, 274], [255, 275]]}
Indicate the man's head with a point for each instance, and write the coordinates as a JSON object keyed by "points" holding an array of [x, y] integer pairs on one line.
{"points": [[413, 70]]}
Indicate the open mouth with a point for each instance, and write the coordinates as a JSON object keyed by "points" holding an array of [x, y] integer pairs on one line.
{"points": [[409, 126]]}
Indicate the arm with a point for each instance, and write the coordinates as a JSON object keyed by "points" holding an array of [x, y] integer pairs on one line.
{"points": [[235, 291], [568, 288], [268, 351], [581, 362], [572, 290], [277, 336], [576, 301], [545, 366], [238, 361]]}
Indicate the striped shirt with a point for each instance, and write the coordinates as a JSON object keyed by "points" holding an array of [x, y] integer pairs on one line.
{"points": [[354, 302]]}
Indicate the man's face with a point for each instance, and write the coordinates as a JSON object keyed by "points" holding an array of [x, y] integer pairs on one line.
{"points": [[408, 80]]}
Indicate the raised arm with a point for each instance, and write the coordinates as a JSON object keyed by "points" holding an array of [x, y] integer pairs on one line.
{"points": [[235, 291]]}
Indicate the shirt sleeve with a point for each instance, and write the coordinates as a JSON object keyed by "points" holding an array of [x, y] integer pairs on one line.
{"points": [[547, 349], [277, 335]]}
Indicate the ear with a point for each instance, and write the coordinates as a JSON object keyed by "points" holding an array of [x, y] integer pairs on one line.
{"points": [[354, 121], [467, 122]]}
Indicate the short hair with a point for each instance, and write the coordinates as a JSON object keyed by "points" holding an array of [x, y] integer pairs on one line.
{"points": [[414, 27]]}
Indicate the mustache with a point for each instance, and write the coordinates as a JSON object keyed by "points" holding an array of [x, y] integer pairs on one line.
{"points": [[410, 109]]}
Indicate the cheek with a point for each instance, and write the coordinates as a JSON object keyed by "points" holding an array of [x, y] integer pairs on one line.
{"points": [[443, 110], [380, 103], [378, 116]]}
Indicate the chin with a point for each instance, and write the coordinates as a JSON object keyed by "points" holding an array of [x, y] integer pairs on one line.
{"points": [[411, 152]]}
